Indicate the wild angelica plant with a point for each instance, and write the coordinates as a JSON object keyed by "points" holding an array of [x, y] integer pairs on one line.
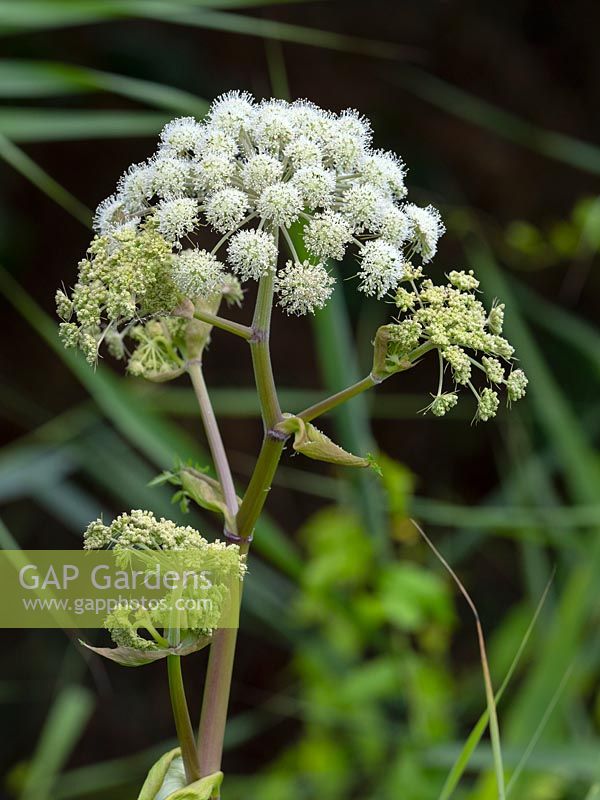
{"points": [[287, 188]]}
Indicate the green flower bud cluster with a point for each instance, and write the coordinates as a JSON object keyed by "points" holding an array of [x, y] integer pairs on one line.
{"points": [[139, 532], [159, 343], [129, 287], [124, 277], [452, 320]]}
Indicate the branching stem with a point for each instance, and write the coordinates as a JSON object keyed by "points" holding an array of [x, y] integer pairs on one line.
{"points": [[224, 324]]}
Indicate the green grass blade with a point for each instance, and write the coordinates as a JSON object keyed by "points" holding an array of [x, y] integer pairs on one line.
{"points": [[34, 79], [489, 692], [561, 324], [538, 732], [580, 466], [34, 15], [20, 161], [63, 727], [272, 29], [466, 106], [474, 737], [55, 125]]}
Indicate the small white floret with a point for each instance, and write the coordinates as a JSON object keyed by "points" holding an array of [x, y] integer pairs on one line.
{"points": [[177, 218], [182, 137], [303, 288], [381, 269], [252, 253], [280, 203], [198, 273], [427, 229], [327, 235], [225, 210]]}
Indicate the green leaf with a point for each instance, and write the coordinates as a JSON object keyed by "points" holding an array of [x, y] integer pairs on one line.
{"points": [[206, 492], [174, 779], [203, 789], [313, 443], [157, 774], [134, 657], [33, 15], [166, 781]]}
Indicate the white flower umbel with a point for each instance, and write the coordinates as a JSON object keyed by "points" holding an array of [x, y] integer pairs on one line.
{"points": [[303, 288], [252, 254], [226, 209], [252, 171], [198, 273], [280, 203], [256, 178], [428, 227], [176, 218], [381, 269], [327, 235]]}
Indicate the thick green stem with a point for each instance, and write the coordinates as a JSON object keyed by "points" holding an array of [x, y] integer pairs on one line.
{"points": [[183, 725], [222, 650], [259, 486], [261, 357], [215, 700]]}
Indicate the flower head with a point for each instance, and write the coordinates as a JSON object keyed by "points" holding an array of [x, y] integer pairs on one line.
{"points": [[303, 288], [198, 273], [252, 253], [269, 175], [381, 268]]}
